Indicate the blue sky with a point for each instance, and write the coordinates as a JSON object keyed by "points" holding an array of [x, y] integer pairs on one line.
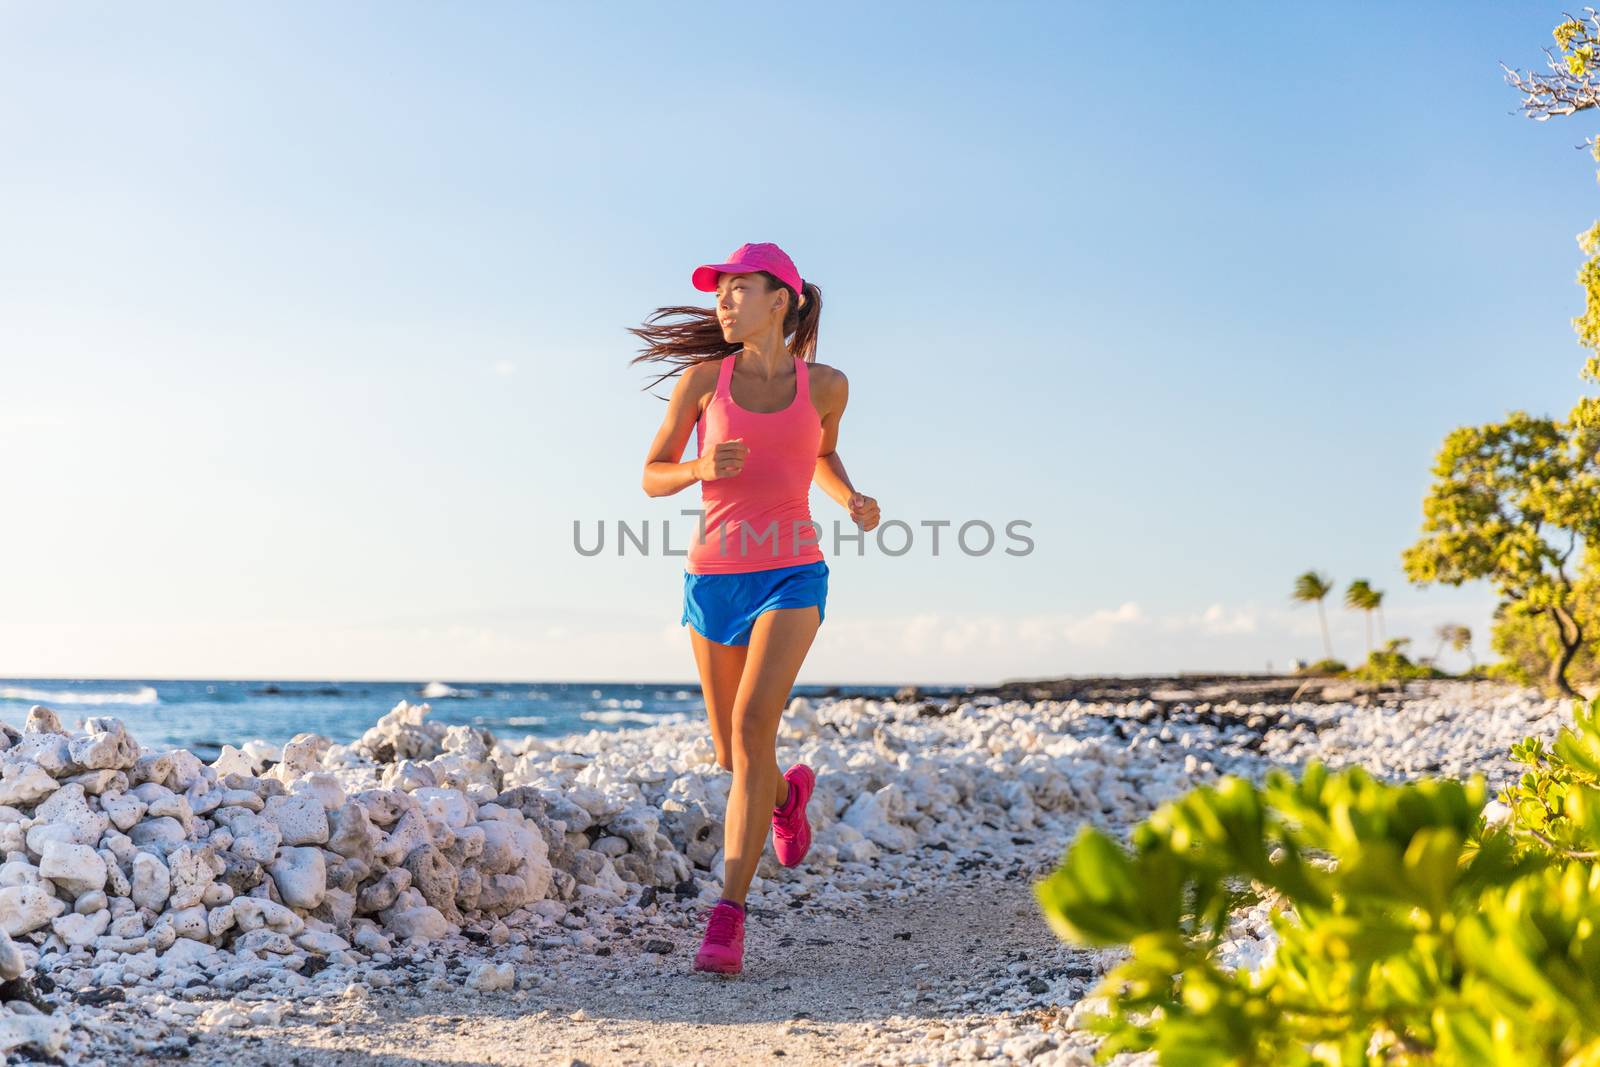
{"points": [[312, 320]]}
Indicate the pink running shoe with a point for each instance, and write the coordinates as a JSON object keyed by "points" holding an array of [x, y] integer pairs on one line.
{"points": [[722, 947], [791, 830]]}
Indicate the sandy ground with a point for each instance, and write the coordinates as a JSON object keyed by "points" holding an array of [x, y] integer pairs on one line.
{"points": [[903, 981]]}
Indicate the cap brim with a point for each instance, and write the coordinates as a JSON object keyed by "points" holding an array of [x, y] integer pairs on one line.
{"points": [[705, 277]]}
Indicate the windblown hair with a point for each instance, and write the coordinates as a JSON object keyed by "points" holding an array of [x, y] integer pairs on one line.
{"points": [[696, 337]]}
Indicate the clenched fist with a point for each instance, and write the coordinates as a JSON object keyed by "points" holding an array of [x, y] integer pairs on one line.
{"points": [[724, 460], [863, 510]]}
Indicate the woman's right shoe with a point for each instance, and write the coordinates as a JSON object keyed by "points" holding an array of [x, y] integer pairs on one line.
{"points": [[722, 947], [791, 830]]}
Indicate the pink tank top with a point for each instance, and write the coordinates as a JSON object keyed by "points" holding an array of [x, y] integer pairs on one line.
{"points": [[760, 518]]}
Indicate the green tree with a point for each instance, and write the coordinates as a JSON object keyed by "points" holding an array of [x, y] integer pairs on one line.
{"points": [[1312, 587], [1503, 496]]}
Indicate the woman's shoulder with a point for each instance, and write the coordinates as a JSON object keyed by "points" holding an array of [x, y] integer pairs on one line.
{"points": [[826, 381], [699, 381], [704, 370], [823, 373]]}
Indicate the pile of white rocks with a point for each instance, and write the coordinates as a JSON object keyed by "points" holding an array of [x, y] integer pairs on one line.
{"points": [[121, 863], [222, 894]]}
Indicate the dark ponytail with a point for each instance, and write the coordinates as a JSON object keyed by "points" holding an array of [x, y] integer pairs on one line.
{"points": [[800, 324], [696, 336]]}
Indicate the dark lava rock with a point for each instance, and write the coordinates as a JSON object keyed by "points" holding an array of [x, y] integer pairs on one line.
{"points": [[21, 989]]}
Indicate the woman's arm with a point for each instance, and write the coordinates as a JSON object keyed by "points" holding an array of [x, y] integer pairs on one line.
{"points": [[663, 474], [830, 476], [830, 473]]}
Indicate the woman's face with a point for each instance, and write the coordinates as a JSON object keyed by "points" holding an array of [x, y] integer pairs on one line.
{"points": [[745, 306]]}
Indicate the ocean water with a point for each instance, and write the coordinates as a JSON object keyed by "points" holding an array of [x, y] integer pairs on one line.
{"points": [[202, 716]]}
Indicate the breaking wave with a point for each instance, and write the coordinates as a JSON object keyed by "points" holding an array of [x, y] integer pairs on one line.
{"points": [[143, 695], [611, 718]]}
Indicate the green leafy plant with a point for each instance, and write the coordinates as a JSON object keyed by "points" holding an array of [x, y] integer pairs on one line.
{"points": [[1391, 664], [1557, 801], [1412, 929]]}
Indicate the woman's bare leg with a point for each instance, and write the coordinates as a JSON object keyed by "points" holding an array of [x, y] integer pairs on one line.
{"points": [[778, 647], [721, 667]]}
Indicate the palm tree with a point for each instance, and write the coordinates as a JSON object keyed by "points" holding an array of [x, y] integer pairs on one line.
{"points": [[1377, 605], [1445, 632], [1312, 586], [1461, 641], [1360, 596], [1458, 637]]}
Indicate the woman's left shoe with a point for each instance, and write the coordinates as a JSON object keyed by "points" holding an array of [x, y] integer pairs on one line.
{"points": [[791, 830], [722, 947]]}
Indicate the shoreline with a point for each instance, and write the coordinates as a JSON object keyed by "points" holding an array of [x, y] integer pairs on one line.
{"points": [[1181, 688]]}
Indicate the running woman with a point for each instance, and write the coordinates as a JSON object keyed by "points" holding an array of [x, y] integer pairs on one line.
{"points": [[755, 582]]}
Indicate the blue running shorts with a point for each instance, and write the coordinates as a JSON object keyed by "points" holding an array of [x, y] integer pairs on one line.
{"points": [[723, 607]]}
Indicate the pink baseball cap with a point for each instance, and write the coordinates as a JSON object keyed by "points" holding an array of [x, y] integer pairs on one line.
{"points": [[746, 259]]}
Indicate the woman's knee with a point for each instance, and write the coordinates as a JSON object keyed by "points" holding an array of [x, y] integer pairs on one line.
{"points": [[754, 740]]}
